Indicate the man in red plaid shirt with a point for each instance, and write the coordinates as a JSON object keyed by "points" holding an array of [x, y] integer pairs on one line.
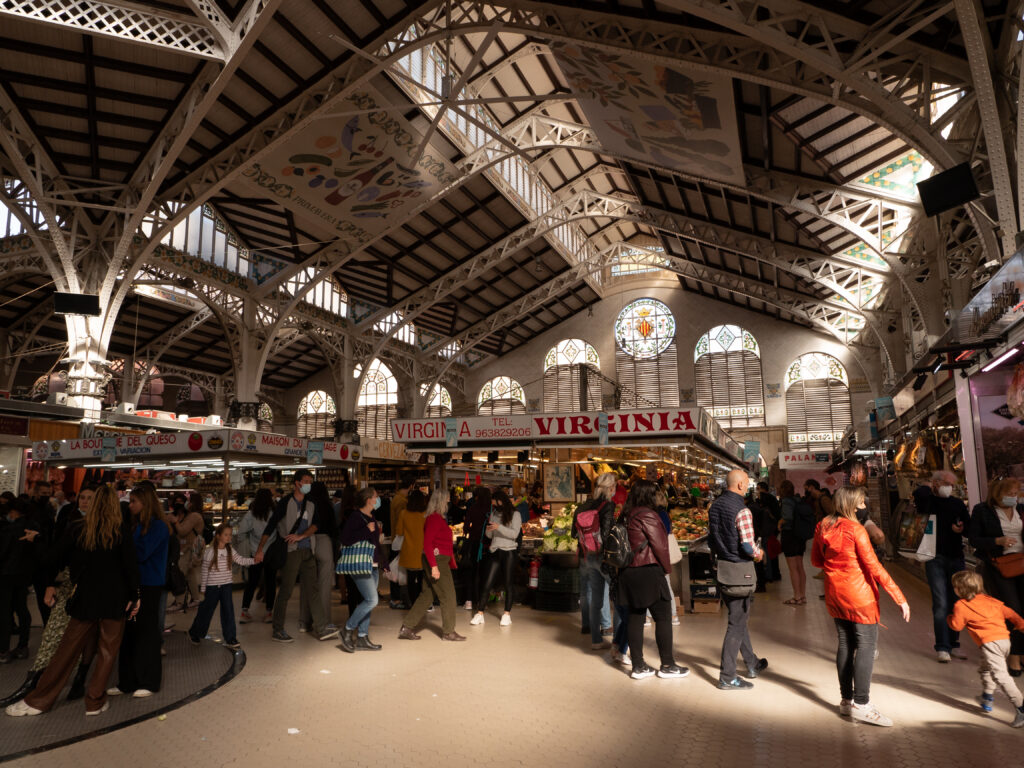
{"points": [[731, 536]]}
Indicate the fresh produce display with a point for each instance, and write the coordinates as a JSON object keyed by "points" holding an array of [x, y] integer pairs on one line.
{"points": [[533, 529], [558, 537], [688, 524]]}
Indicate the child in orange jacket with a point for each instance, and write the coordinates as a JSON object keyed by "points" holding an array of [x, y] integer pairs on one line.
{"points": [[985, 618]]}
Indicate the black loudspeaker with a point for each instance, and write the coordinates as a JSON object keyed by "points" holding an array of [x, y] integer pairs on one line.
{"points": [[492, 457], [948, 189], [76, 304], [467, 457], [522, 457], [441, 458]]}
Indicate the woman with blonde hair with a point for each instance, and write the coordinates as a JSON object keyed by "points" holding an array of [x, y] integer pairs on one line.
{"points": [[995, 529], [101, 556], [439, 558], [843, 550]]}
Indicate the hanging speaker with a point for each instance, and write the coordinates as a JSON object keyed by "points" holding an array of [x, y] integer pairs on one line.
{"points": [[76, 304], [947, 190]]}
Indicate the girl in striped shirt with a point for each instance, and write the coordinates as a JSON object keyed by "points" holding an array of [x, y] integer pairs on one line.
{"points": [[215, 586]]}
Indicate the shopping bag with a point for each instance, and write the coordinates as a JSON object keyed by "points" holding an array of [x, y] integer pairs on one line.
{"points": [[397, 574], [396, 543], [675, 554], [926, 549], [356, 559]]}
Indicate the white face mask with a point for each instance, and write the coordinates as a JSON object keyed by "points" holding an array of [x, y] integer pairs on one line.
{"points": [[305, 488], [945, 491], [1008, 502]]}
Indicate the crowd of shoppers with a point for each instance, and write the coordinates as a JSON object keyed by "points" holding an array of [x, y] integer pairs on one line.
{"points": [[106, 568]]}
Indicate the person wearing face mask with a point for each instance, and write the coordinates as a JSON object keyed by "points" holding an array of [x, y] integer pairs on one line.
{"points": [[294, 524], [363, 526], [951, 519], [995, 529]]}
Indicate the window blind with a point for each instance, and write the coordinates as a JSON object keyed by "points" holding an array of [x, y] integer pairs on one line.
{"points": [[562, 385], [729, 385], [501, 407], [653, 380], [818, 411], [375, 420]]}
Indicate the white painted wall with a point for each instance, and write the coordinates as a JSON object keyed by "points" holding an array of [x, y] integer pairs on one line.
{"points": [[780, 342]]}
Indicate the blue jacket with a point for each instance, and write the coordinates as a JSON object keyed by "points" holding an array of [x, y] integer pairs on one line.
{"points": [[151, 551]]}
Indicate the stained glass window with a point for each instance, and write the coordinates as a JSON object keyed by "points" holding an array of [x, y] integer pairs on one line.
{"points": [[818, 408], [645, 328], [377, 404], [572, 366], [316, 415], [501, 395], [727, 376], [439, 404], [265, 418], [646, 359]]}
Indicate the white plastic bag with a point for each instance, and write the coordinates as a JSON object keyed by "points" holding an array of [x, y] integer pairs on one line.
{"points": [[397, 574], [926, 549]]}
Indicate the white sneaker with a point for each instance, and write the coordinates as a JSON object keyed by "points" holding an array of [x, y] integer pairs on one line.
{"points": [[142, 693], [845, 707], [21, 709], [943, 657], [114, 691], [506, 620], [468, 605], [477, 619], [625, 661], [100, 711], [867, 713]]}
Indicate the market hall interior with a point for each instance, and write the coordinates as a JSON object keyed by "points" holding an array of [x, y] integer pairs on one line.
{"points": [[268, 264]]}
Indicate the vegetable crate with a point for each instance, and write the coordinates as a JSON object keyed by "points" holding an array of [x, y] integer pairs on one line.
{"points": [[706, 606], [559, 580]]}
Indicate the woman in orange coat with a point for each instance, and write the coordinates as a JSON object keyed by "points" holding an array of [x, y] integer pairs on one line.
{"points": [[852, 575]]}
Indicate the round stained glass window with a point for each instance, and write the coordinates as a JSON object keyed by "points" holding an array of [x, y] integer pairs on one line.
{"points": [[645, 328]]}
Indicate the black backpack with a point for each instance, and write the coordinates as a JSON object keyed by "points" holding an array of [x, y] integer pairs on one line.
{"points": [[617, 552]]}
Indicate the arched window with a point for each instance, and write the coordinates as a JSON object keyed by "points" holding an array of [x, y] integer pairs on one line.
{"points": [[818, 407], [499, 396], [646, 362], [265, 418], [316, 415], [572, 366], [439, 403], [727, 374], [377, 404]]}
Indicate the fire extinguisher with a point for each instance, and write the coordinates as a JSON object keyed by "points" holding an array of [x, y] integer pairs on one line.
{"points": [[535, 573]]}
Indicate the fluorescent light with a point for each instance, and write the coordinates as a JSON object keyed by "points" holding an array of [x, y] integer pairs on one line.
{"points": [[1001, 359], [937, 366]]}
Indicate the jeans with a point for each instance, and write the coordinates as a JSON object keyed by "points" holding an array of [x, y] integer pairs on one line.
{"points": [[940, 571], [855, 659], [737, 637], [585, 596], [367, 585], [501, 563], [215, 595], [620, 639], [594, 583]]}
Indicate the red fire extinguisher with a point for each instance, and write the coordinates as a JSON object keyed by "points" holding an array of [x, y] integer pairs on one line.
{"points": [[535, 573]]}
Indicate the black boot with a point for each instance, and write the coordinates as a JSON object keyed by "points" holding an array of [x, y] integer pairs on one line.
{"points": [[348, 640], [78, 684], [31, 680], [365, 644]]}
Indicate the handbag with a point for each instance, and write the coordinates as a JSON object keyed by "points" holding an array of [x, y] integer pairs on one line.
{"points": [[736, 579], [675, 554], [926, 549], [356, 559], [397, 574], [1010, 566], [396, 543]]}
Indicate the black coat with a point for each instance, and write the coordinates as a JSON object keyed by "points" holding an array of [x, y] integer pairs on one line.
{"points": [[106, 580], [984, 529], [16, 556]]}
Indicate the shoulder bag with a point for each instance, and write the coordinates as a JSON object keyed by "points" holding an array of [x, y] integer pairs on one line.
{"points": [[356, 559], [736, 579], [1010, 566]]}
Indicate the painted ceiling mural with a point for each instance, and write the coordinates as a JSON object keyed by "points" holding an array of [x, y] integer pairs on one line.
{"points": [[669, 116], [346, 174]]}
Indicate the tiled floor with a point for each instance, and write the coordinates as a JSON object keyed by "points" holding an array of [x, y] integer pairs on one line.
{"points": [[534, 694]]}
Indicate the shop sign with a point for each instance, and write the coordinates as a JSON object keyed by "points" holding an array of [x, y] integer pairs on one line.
{"points": [[559, 426], [315, 452], [14, 425], [383, 449], [808, 460], [126, 446]]}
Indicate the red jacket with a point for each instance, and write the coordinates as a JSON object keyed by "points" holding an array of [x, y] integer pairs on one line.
{"points": [[852, 572], [645, 526]]}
